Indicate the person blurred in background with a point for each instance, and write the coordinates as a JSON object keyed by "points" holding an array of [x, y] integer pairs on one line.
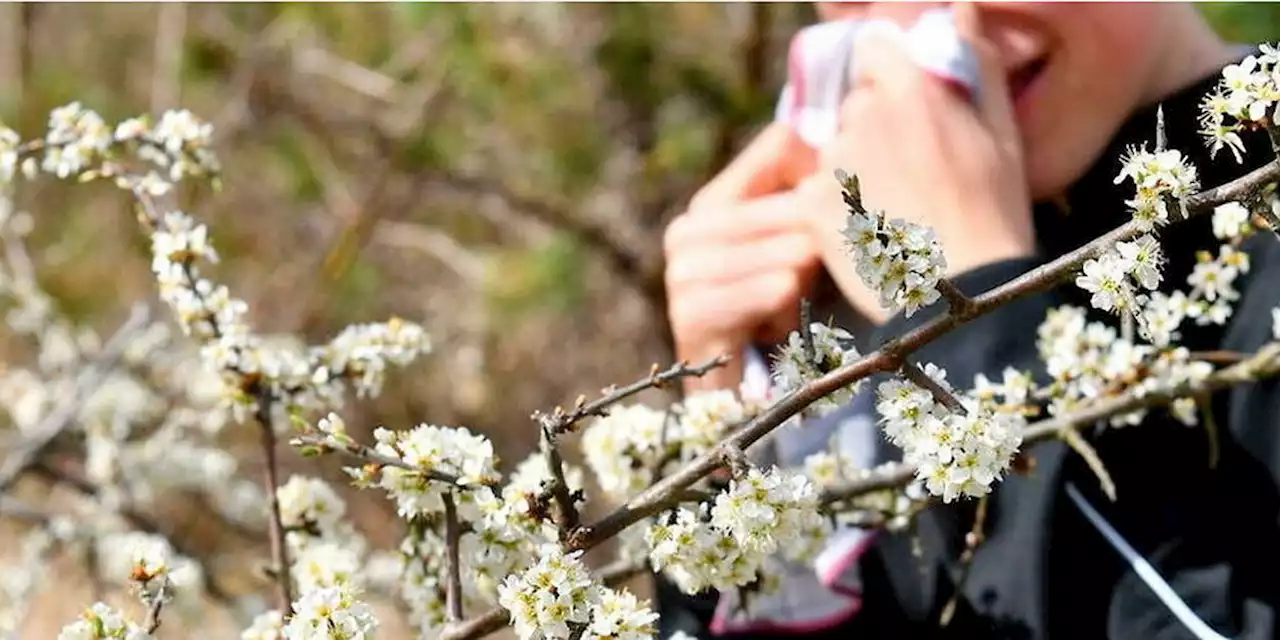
{"points": [[1011, 180]]}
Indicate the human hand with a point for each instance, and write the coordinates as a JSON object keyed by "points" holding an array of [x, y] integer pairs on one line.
{"points": [[924, 152], [741, 257]]}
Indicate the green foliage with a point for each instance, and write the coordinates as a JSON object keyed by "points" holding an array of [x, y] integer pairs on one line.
{"points": [[356, 292], [544, 279], [1244, 22]]}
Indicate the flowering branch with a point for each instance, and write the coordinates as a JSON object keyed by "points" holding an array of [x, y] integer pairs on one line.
{"points": [[892, 355], [476, 540], [1266, 362], [313, 444]]}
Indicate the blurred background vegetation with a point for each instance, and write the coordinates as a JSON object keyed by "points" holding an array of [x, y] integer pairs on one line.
{"points": [[500, 172]]}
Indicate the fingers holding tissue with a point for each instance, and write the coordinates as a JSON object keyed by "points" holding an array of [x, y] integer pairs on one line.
{"points": [[926, 152]]}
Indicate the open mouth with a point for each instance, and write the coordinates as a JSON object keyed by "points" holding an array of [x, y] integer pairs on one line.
{"points": [[1022, 78]]}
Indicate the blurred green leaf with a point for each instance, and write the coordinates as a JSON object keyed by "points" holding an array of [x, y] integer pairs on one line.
{"points": [[544, 279]]}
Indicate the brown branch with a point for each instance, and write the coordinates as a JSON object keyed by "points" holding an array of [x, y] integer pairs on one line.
{"points": [[736, 460], [1218, 357], [921, 379], [567, 517], [452, 537], [559, 421], [270, 484]]}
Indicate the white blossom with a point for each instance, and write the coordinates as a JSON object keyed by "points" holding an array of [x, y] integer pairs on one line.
{"points": [[619, 615], [101, 622], [429, 448], [1230, 220], [306, 501], [1159, 177], [331, 613], [833, 348], [550, 598], [955, 454], [725, 546], [266, 626], [899, 260], [1106, 277]]}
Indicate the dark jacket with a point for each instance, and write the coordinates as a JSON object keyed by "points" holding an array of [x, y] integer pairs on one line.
{"points": [[1044, 571]]}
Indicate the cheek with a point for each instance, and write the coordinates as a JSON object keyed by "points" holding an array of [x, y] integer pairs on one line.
{"points": [[1096, 81]]}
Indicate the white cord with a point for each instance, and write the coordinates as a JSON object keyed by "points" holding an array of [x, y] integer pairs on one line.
{"points": [[1145, 571]]}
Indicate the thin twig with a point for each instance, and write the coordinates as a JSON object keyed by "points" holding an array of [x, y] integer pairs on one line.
{"points": [[1162, 136], [157, 606], [1218, 357], [452, 537], [1091, 458], [921, 379], [319, 443], [1205, 406], [971, 543], [567, 518], [270, 484], [806, 332], [61, 418], [559, 421]]}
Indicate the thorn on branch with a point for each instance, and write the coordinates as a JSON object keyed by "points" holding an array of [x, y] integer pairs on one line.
{"points": [[961, 304], [921, 379]]}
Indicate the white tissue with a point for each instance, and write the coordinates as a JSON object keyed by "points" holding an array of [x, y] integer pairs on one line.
{"points": [[820, 68]]}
